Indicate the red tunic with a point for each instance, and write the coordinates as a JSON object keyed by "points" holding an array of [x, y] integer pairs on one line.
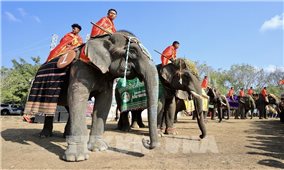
{"points": [[231, 93], [68, 42], [169, 53], [204, 83], [242, 93], [250, 92], [105, 23], [264, 92]]}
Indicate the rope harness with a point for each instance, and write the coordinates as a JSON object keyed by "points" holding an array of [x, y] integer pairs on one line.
{"points": [[144, 50], [126, 61]]}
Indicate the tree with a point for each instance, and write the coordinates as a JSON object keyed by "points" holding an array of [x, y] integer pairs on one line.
{"points": [[273, 81], [15, 81], [242, 76]]}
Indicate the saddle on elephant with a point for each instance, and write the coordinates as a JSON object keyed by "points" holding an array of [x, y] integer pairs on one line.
{"points": [[67, 43], [46, 88], [51, 77]]}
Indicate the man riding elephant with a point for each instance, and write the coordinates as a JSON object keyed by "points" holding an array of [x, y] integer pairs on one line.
{"points": [[68, 42], [106, 23], [170, 53]]}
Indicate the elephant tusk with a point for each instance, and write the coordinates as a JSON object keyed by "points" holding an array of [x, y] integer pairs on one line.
{"points": [[223, 103], [196, 95], [205, 96]]}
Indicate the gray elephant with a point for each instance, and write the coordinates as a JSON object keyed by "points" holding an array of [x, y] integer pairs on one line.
{"points": [[219, 103], [177, 76], [246, 103], [261, 102], [107, 56]]}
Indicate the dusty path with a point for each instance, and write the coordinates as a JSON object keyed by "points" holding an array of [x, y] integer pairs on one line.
{"points": [[232, 144]]}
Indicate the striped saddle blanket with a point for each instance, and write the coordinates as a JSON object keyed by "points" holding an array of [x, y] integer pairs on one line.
{"points": [[46, 88]]}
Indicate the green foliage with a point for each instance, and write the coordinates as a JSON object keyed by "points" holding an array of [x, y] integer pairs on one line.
{"points": [[15, 81], [242, 76]]}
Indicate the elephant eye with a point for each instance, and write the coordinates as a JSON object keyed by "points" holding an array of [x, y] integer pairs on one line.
{"points": [[187, 76], [133, 50]]}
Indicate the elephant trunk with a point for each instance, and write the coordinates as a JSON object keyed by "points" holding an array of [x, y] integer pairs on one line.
{"points": [[150, 74], [226, 102], [200, 117]]}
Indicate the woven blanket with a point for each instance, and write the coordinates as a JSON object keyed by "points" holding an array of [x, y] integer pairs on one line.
{"points": [[45, 90], [234, 104], [134, 94]]}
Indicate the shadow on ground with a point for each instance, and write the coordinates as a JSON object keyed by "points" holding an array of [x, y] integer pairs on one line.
{"points": [[268, 140], [27, 136], [24, 136]]}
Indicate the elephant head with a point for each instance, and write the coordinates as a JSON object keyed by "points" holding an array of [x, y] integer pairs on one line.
{"points": [[212, 94], [108, 54], [180, 76], [273, 99], [216, 97]]}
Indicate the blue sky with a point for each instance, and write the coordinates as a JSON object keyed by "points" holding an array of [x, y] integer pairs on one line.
{"points": [[219, 34]]}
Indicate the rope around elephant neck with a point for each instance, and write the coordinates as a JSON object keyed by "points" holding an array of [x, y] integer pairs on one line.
{"points": [[126, 61]]}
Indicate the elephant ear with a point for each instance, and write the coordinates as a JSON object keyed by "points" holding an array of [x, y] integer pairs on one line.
{"points": [[182, 94], [167, 72], [98, 53]]}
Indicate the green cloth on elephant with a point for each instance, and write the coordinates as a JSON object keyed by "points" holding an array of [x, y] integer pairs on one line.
{"points": [[134, 94]]}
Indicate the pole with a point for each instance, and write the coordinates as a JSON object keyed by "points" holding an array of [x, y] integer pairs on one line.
{"points": [[164, 55], [101, 28]]}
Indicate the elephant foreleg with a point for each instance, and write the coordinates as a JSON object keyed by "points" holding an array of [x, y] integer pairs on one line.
{"points": [[200, 118], [170, 115], [213, 113], [220, 113], [101, 110], [77, 149], [160, 119]]}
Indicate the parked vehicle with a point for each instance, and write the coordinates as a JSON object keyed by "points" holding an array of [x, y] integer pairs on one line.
{"points": [[7, 109]]}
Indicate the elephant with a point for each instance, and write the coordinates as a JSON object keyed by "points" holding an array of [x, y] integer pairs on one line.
{"points": [[274, 102], [108, 61], [217, 103], [261, 103], [177, 76], [246, 103]]}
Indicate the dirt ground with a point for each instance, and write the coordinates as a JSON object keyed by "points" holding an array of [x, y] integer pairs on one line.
{"points": [[232, 144]]}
